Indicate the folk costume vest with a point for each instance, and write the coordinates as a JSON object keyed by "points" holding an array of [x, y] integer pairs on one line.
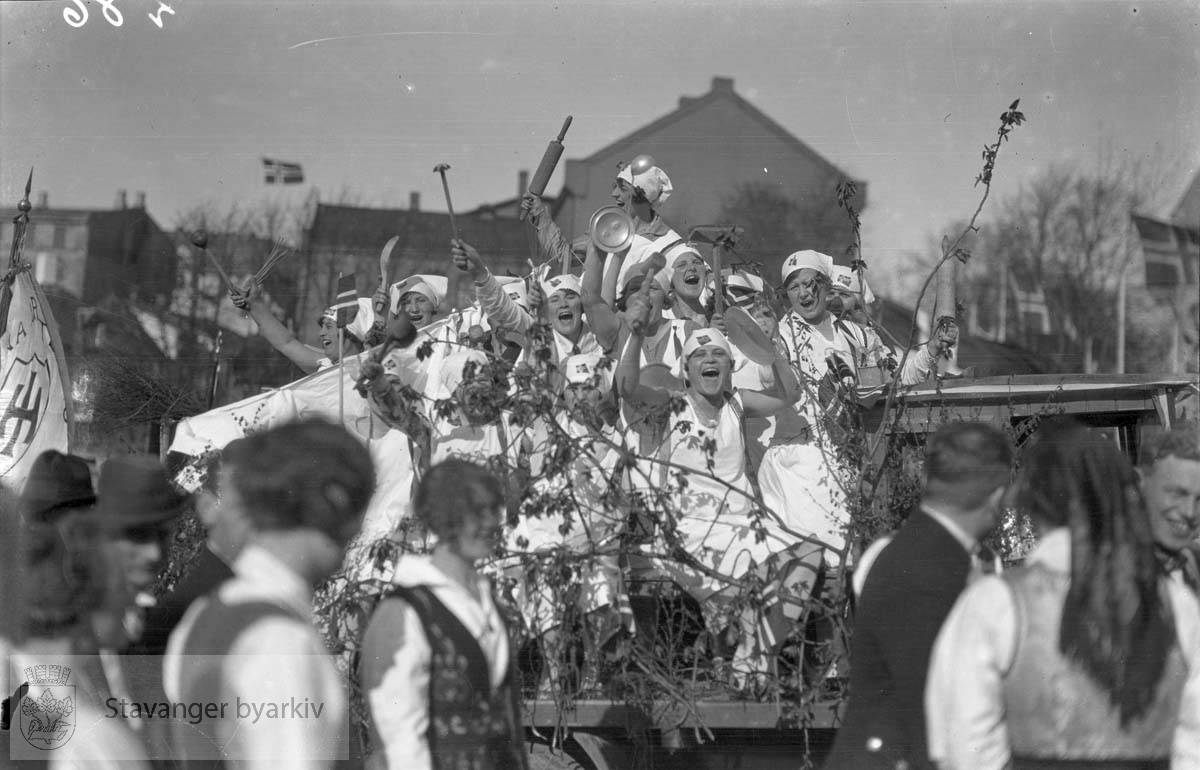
{"points": [[211, 637], [471, 727], [1055, 711]]}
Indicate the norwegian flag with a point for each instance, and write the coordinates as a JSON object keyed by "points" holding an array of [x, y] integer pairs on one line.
{"points": [[280, 172], [346, 304]]}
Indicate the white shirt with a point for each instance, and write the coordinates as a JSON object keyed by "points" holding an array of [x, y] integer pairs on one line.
{"points": [[400, 703], [964, 703], [273, 660]]}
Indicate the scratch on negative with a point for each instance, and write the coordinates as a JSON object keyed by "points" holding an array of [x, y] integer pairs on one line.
{"points": [[388, 34], [850, 122]]}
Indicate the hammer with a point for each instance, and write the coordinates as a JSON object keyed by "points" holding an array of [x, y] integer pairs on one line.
{"points": [[442, 168]]}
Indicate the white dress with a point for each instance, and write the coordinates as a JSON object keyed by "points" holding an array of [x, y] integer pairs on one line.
{"points": [[715, 506]]}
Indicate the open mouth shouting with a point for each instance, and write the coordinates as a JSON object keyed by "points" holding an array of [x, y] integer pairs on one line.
{"points": [[565, 320]]}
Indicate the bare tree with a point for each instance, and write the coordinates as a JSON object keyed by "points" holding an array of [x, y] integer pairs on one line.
{"points": [[1068, 231], [776, 225]]}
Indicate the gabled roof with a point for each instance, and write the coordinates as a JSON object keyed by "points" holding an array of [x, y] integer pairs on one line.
{"points": [[510, 208], [1187, 211], [722, 90], [354, 229]]}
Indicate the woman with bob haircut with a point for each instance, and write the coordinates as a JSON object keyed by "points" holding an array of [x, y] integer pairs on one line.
{"points": [[437, 668]]}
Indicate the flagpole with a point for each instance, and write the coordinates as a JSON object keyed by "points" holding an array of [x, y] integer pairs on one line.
{"points": [[341, 361], [1121, 319], [1002, 331], [9, 276]]}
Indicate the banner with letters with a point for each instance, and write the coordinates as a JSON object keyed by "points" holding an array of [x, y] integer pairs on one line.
{"points": [[34, 402]]}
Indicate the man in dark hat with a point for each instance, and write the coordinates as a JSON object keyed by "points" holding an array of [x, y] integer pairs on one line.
{"points": [[57, 483], [137, 504], [227, 530]]}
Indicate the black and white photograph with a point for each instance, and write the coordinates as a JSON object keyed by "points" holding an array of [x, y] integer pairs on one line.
{"points": [[577, 385]]}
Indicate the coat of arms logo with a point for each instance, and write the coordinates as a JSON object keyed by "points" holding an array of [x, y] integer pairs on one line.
{"points": [[47, 709]]}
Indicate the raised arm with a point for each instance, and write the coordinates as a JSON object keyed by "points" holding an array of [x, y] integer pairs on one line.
{"points": [[250, 299], [602, 319], [627, 377], [500, 309], [921, 361], [552, 245], [759, 404]]}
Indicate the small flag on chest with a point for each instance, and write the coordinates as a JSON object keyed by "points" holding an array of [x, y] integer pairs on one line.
{"points": [[346, 304]]}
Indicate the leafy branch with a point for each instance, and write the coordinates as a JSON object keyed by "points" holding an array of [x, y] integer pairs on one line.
{"points": [[1010, 119]]}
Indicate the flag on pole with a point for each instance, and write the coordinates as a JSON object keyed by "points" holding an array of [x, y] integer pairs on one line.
{"points": [[34, 404], [346, 304], [1171, 253], [1032, 308], [280, 172]]}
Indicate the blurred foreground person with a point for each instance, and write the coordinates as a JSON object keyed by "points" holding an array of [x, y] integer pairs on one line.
{"points": [[59, 588], [437, 666], [910, 589], [303, 488], [1086, 656], [1169, 474]]}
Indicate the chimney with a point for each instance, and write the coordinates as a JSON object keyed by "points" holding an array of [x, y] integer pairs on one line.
{"points": [[43, 200], [722, 85], [522, 183], [120, 202], [684, 101], [140, 197], [414, 201]]}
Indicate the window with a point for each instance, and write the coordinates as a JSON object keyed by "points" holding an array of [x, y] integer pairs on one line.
{"points": [[77, 237], [41, 235]]}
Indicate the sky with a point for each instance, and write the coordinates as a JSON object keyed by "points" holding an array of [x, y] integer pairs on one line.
{"points": [[369, 96]]}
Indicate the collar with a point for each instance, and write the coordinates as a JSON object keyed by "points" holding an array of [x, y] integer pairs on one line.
{"points": [[587, 342], [655, 228], [265, 575], [801, 326], [1053, 550], [950, 525], [419, 570]]}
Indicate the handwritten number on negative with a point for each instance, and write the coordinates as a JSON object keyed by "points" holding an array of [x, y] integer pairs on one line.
{"points": [[77, 15]]}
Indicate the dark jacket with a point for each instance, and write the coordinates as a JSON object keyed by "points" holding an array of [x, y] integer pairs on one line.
{"points": [[203, 576], [908, 594]]}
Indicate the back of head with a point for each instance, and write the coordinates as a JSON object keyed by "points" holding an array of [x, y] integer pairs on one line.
{"points": [[306, 474], [453, 491], [61, 571], [1114, 621], [1071, 471], [1181, 441], [965, 462]]}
